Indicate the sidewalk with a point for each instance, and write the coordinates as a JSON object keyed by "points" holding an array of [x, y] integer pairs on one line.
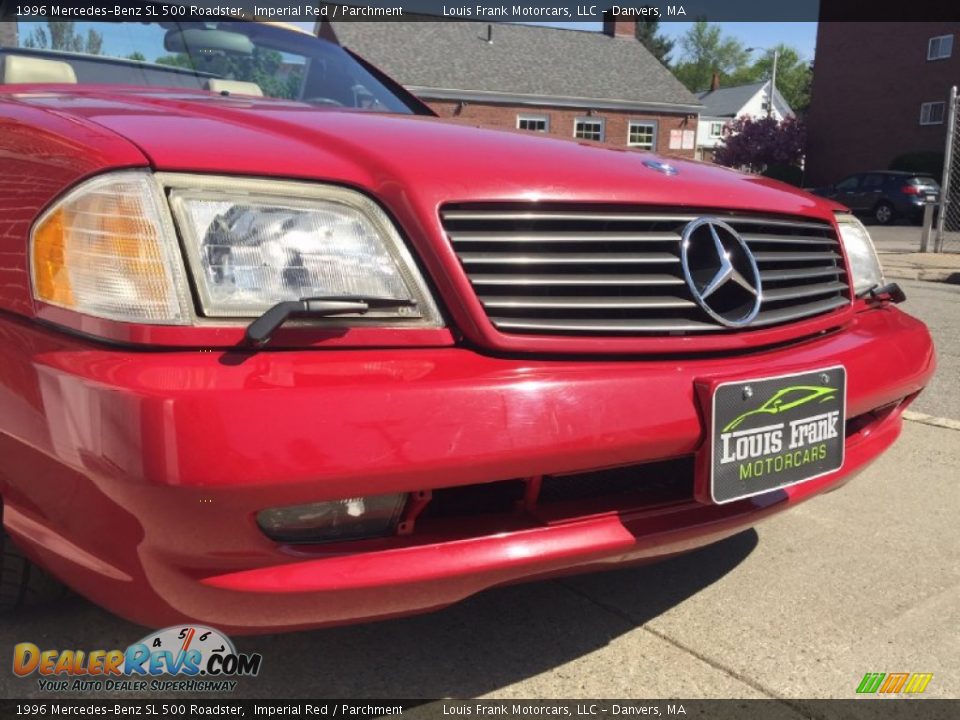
{"points": [[898, 247], [936, 267]]}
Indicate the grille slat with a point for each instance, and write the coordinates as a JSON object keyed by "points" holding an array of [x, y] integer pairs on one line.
{"points": [[803, 291], [563, 237], [796, 312], [514, 216], [754, 239], [595, 273], [800, 273], [577, 280], [765, 257], [603, 326], [491, 258], [593, 303]]}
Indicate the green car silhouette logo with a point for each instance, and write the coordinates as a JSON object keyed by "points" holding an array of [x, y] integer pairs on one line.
{"points": [[787, 399]]}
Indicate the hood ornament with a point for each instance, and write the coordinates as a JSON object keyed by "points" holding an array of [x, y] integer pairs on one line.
{"points": [[661, 167]]}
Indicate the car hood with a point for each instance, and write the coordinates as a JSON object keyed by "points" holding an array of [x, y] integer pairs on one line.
{"points": [[407, 158]]}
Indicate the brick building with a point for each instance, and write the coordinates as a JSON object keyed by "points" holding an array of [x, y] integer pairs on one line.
{"points": [[879, 90], [570, 83]]}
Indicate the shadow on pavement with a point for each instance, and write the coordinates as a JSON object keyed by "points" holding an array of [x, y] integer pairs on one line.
{"points": [[489, 641]]}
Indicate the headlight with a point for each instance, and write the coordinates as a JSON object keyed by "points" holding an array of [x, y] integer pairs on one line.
{"points": [[864, 263], [108, 249], [252, 244]]}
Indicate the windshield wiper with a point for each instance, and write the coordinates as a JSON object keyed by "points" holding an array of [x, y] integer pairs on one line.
{"points": [[260, 330]]}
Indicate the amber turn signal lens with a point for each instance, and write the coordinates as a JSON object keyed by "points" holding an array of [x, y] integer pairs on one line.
{"points": [[108, 249], [50, 278]]}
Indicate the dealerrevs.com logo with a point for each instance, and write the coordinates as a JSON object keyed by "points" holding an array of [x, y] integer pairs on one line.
{"points": [[188, 659]]}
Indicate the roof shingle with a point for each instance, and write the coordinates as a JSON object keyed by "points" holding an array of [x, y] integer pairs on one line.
{"points": [[727, 102], [539, 63]]}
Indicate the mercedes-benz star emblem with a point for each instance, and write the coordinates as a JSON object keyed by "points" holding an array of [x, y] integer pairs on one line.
{"points": [[659, 166], [721, 272]]}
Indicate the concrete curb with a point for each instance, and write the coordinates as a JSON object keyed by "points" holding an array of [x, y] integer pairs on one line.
{"points": [[929, 274]]}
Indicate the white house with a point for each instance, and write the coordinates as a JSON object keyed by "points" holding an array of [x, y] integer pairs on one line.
{"points": [[721, 105]]}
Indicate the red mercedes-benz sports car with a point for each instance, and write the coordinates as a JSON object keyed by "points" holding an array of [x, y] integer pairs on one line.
{"points": [[291, 351]]}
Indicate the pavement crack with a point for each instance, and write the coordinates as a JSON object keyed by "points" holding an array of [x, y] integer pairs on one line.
{"points": [[932, 420]]}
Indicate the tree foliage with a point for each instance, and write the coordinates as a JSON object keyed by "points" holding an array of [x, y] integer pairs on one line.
{"points": [[659, 45], [64, 36], [706, 50], [756, 144]]}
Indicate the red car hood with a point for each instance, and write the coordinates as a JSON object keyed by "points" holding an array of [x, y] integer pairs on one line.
{"points": [[406, 158]]}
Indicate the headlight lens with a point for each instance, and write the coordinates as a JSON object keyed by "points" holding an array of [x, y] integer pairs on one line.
{"points": [[252, 244], [864, 263], [108, 249]]}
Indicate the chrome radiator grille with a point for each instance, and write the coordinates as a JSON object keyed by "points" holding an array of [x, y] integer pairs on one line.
{"points": [[619, 273]]}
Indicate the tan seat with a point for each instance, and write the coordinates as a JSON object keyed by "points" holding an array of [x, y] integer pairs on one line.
{"points": [[234, 87], [17, 69]]}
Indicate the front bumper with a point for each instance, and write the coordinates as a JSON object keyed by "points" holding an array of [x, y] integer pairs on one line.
{"points": [[135, 477]]}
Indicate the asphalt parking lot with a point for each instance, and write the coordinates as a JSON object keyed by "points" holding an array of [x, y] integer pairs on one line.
{"points": [[864, 579]]}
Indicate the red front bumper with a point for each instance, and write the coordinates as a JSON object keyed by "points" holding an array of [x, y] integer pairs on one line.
{"points": [[135, 476]]}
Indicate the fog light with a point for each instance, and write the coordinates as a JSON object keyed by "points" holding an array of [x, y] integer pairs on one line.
{"points": [[348, 519]]}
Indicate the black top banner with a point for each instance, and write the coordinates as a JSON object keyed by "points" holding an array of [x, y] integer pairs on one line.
{"points": [[483, 11]]}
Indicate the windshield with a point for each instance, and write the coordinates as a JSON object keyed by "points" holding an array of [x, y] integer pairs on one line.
{"points": [[242, 58]]}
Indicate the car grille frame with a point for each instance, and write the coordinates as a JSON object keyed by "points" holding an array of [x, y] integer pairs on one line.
{"points": [[617, 273]]}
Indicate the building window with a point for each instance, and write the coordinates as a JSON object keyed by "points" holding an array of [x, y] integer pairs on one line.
{"points": [[588, 129], [940, 47], [642, 134], [716, 129], [534, 123], [931, 113]]}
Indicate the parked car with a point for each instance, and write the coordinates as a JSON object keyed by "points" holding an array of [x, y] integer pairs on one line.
{"points": [[885, 195], [281, 349]]}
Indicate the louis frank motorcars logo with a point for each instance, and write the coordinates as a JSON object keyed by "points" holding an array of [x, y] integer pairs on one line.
{"points": [[788, 444], [202, 658]]}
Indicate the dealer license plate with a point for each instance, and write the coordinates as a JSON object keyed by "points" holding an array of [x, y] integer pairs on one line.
{"points": [[774, 432]]}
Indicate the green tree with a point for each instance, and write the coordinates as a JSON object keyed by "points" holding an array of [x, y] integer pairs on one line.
{"points": [[658, 44], [705, 51], [794, 75], [137, 55], [64, 36]]}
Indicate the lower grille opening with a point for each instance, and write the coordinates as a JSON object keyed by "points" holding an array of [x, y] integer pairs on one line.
{"points": [[485, 499], [624, 488], [862, 424], [648, 484]]}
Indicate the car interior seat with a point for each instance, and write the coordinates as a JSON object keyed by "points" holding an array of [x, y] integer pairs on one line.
{"points": [[234, 87], [18, 69]]}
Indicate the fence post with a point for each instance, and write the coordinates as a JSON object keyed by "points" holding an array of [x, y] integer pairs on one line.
{"points": [[948, 159]]}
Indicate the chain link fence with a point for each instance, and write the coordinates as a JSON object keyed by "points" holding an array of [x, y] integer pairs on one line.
{"points": [[948, 220]]}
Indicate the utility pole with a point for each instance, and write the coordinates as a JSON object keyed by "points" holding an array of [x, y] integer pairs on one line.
{"points": [[773, 76], [773, 81]]}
